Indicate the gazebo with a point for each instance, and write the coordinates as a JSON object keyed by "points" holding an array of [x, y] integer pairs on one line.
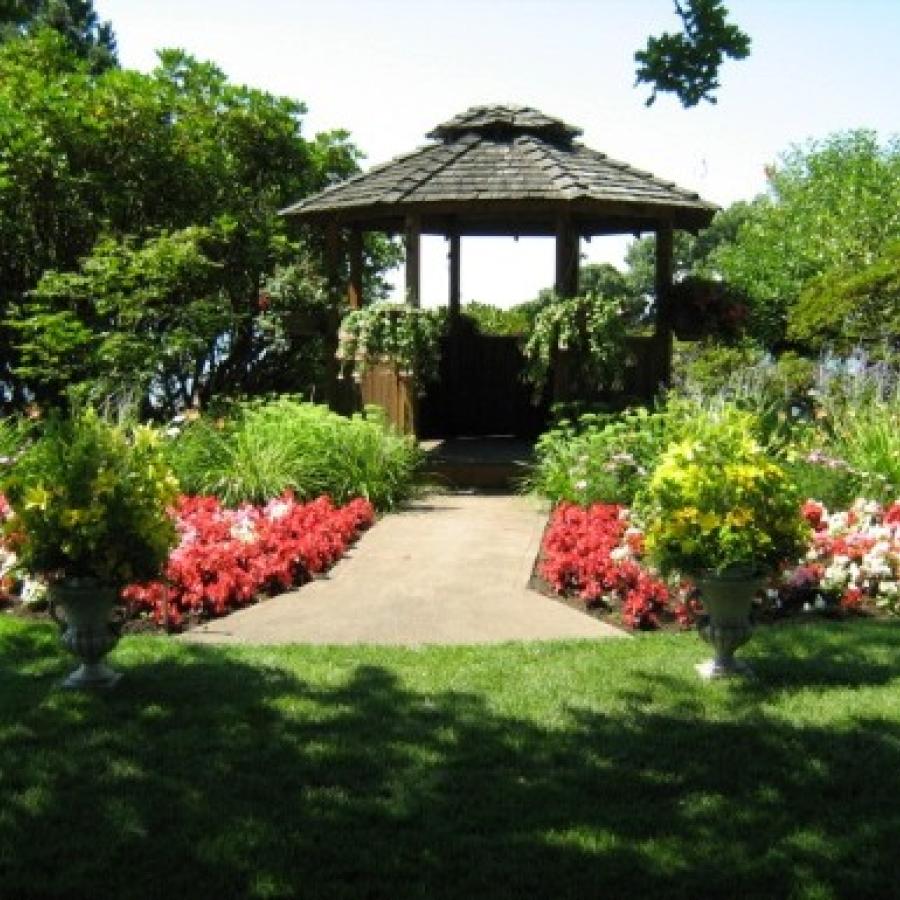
{"points": [[504, 170]]}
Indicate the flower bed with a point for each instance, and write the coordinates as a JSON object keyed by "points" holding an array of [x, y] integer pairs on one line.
{"points": [[226, 558], [595, 554], [853, 559]]}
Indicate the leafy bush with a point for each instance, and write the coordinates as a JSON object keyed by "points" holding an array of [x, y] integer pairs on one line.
{"points": [[862, 428], [716, 500], [89, 500], [512, 322], [843, 308], [12, 437], [266, 447], [708, 365], [599, 458]]}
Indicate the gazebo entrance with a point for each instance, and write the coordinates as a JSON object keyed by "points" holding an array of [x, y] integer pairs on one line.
{"points": [[480, 390], [500, 170]]}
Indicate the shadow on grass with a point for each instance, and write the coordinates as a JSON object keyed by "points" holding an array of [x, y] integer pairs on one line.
{"points": [[205, 775]]}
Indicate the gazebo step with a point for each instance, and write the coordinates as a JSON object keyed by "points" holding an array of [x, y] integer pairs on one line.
{"points": [[495, 462]]}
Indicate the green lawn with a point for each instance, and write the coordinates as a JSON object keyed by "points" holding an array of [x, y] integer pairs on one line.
{"points": [[561, 770]]}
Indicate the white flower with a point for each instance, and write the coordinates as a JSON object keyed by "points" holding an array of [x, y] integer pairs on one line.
{"points": [[619, 553], [7, 562], [837, 522], [277, 509], [33, 591]]}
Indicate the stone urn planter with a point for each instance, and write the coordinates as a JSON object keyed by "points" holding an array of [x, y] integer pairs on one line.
{"points": [[728, 599], [87, 630]]}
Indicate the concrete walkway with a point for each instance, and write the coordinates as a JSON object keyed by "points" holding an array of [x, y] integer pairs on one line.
{"points": [[451, 569]]}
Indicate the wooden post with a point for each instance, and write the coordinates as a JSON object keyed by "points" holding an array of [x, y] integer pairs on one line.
{"points": [[355, 286], [454, 274], [663, 287], [333, 394], [332, 255], [566, 283], [413, 270]]}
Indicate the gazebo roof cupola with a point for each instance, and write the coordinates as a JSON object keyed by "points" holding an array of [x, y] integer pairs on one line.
{"points": [[504, 122]]}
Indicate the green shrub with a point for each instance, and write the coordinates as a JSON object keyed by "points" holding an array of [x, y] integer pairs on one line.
{"points": [[844, 307], [822, 478], [864, 432], [717, 500], [12, 437], [513, 322], [265, 447], [599, 458]]}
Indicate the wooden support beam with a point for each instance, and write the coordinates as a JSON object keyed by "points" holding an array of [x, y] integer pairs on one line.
{"points": [[454, 297], [332, 255], [663, 289], [355, 297], [413, 265], [566, 282]]}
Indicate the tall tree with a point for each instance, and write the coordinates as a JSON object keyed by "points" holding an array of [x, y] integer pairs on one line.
{"points": [[116, 170], [76, 20], [692, 254], [832, 206]]}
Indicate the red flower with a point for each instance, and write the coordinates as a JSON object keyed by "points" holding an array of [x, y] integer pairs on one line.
{"points": [[587, 552], [227, 557]]}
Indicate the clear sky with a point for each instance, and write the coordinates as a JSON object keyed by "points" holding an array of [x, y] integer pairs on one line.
{"points": [[389, 70]]}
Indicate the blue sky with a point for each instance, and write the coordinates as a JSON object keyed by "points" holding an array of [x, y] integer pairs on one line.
{"points": [[389, 70]]}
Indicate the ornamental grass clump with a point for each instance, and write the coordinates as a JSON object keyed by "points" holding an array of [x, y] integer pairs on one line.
{"points": [[718, 504], [265, 447], [89, 500]]}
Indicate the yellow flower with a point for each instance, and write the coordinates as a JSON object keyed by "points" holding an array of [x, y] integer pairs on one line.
{"points": [[708, 520], [73, 517], [739, 516], [37, 498]]}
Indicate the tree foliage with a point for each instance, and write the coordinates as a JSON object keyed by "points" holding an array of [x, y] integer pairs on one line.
{"points": [[75, 20], [832, 206], [122, 189], [845, 310], [687, 63]]}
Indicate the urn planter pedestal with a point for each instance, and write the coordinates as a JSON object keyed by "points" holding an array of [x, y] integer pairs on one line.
{"points": [[87, 630], [728, 600]]}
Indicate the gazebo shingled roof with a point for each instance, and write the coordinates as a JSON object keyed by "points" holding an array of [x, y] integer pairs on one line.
{"points": [[507, 169]]}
